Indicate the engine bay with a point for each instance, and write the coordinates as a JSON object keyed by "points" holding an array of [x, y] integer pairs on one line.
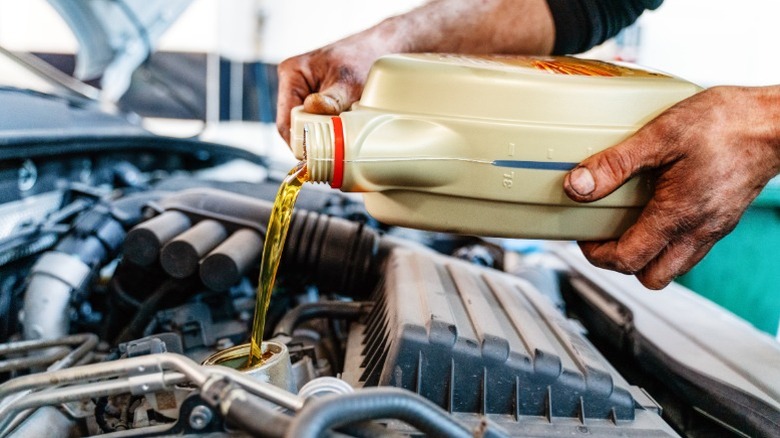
{"points": [[124, 269]]}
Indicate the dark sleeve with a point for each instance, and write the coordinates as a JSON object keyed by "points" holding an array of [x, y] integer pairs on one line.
{"points": [[582, 24]]}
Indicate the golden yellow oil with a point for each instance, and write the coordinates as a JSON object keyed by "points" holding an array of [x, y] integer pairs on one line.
{"points": [[275, 235]]}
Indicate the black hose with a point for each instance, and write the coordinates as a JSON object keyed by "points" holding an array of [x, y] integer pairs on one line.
{"points": [[148, 308], [345, 310], [100, 415], [7, 317], [329, 412], [336, 254], [255, 417], [369, 429]]}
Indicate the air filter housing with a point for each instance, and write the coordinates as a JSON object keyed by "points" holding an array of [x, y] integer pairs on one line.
{"points": [[475, 340]]}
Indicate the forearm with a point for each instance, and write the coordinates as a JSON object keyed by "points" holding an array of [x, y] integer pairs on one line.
{"points": [[468, 26], [765, 124]]}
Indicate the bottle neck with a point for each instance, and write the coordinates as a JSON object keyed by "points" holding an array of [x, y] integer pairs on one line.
{"points": [[323, 144]]}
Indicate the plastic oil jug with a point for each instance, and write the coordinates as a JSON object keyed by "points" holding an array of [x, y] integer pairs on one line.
{"points": [[481, 144]]}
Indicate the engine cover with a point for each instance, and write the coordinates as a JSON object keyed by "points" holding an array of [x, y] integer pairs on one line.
{"points": [[476, 340]]}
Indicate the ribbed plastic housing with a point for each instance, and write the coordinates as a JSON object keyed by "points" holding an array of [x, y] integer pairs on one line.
{"points": [[318, 143], [476, 340]]}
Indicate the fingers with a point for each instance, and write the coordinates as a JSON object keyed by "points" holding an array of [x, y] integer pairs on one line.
{"points": [[332, 100], [292, 89], [640, 244], [711, 158], [645, 248], [660, 246], [604, 172], [674, 260], [322, 85]]}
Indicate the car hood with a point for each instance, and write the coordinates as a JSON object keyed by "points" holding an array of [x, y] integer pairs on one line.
{"points": [[116, 36]]}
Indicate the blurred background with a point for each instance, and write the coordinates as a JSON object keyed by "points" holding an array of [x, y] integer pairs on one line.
{"points": [[208, 68]]}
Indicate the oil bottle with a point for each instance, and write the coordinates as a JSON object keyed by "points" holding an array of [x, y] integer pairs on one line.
{"points": [[481, 144]]}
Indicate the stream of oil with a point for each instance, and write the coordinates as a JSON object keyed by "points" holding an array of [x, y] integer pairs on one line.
{"points": [[275, 234]]}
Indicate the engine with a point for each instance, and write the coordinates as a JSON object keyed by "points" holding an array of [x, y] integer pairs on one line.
{"points": [[117, 299]]}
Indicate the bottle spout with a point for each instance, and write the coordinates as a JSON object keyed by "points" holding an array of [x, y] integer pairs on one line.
{"points": [[298, 119], [324, 151], [319, 140]]}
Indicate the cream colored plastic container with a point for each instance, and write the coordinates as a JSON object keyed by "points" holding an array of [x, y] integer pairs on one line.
{"points": [[481, 145]]}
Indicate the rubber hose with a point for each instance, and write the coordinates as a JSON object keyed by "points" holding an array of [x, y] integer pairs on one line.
{"points": [[256, 418], [329, 412], [148, 308], [368, 429], [337, 254], [329, 309]]}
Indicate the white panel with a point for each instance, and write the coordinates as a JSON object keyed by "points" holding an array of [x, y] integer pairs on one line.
{"points": [[714, 42], [33, 26], [291, 27]]}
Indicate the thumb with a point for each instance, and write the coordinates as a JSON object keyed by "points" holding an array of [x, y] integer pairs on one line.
{"points": [[332, 100], [603, 173]]}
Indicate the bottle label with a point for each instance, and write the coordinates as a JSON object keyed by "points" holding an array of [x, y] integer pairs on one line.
{"points": [[558, 65]]}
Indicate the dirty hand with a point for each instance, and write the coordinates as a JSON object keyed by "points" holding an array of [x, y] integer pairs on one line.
{"points": [[711, 155], [326, 80]]}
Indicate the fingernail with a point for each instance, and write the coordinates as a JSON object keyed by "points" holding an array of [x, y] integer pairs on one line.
{"points": [[581, 181]]}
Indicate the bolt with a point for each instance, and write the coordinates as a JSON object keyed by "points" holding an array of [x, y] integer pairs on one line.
{"points": [[200, 417], [28, 176], [223, 343]]}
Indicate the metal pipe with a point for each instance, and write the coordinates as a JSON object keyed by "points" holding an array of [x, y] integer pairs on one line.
{"points": [[135, 381], [193, 372], [261, 389], [88, 342], [135, 365], [53, 278], [58, 359], [35, 344], [47, 421], [146, 383], [23, 363], [156, 430]]}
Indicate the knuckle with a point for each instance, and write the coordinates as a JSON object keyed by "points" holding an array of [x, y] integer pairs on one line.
{"points": [[629, 263], [687, 219], [287, 66], [715, 232], [717, 225], [617, 164]]}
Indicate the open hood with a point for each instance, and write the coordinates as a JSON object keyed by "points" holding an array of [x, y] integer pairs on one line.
{"points": [[116, 36]]}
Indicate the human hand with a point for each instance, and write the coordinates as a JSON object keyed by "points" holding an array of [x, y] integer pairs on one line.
{"points": [[326, 80], [711, 155]]}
